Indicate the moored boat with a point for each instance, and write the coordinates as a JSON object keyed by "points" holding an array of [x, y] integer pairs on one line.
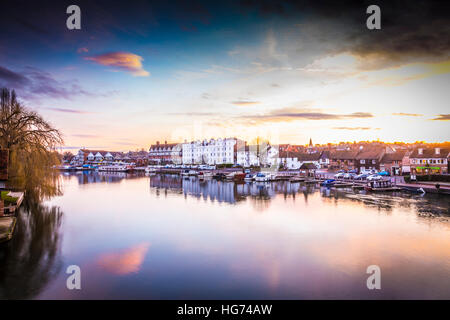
{"points": [[381, 185], [219, 176], [205, 175], [249, 177], [116, 168], [150, 169], [261, 177], [239, 176], [328, 183]]}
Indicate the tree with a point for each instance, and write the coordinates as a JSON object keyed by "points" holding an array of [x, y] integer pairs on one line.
{"points": [[31, 140], [23, 128]]}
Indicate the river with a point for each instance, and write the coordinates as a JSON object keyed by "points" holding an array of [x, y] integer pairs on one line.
{"points": [[165, 237]]}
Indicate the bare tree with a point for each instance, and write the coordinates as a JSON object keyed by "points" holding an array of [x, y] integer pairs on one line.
{"points": [[23, 128]]}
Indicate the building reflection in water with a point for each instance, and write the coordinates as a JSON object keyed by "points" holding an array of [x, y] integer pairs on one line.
{"points": [[227, 191], [86, 177]]}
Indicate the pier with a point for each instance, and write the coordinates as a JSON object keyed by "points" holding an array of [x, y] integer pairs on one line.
{"points": [[7, 225]]}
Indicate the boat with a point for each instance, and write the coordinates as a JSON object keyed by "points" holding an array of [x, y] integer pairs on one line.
{"points": [[185, 172], [328, 183], [261, 177], [205, 175], [381, 185], [239, 176], [230, 176], [296, 179], [219, 176], [192, 173], [116, 168], [249, 177], [86, 167], [150, 169]]}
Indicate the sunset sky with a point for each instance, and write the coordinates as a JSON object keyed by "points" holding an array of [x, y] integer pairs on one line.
{"points": [[142, 71]]}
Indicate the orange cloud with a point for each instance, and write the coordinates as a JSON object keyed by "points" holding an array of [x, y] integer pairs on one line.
{"points": [[126, 61], [126, 261], [244, 103]]}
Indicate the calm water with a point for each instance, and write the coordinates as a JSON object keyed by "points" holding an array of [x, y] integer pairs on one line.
{"points": [[163, 237]]}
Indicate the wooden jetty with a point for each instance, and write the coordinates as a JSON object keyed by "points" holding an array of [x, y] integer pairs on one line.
{"points": [[9, 210], [7, 225]]}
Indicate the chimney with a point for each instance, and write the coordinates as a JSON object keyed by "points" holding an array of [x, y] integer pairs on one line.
{"points": [[437, 150], [165, 142], [157, 143], [420, 151]]}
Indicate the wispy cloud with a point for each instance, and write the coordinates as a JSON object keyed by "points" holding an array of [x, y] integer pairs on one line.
{"points": [[35, 83], [83, 50], [244, 102], [291, 114], [125, 61], [407, 114], [68, 110], [85, 135], [442, 117], [355, 128]]}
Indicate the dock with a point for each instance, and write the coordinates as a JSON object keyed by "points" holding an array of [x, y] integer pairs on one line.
{"points": [[7, 226], [9, 210]]}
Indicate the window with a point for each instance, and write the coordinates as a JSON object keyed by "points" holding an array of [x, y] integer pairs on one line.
{"points": [[374, 161], [362, 161]]}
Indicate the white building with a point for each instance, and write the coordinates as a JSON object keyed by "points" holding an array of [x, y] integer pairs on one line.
{"points": [[248, 155], [214, 151]]}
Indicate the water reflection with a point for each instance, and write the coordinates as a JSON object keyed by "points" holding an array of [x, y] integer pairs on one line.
{"points": [[228, 191], [32, 258], [125, 261], [86, 177], [166, 237]]}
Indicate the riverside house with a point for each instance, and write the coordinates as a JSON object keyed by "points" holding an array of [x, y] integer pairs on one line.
{"points": [[429, 160], [343, 159], [95, 156], [369, 159], [161, 153], [392, 162], [294, 160]]}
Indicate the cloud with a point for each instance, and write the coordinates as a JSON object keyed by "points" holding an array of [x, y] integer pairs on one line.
{"points": [[442, 117], [125, 61], [353, 128], [83, 50], [33, 83], [291, 114], [12, 78], [85, 135], [409, 33], [68, 110], [407, 114], [244, 102]]}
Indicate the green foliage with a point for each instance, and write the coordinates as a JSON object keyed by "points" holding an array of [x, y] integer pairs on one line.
{"points": [[7, 198]]}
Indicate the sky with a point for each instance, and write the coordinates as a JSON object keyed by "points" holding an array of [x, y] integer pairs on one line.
{"points": [[144, 71]]}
